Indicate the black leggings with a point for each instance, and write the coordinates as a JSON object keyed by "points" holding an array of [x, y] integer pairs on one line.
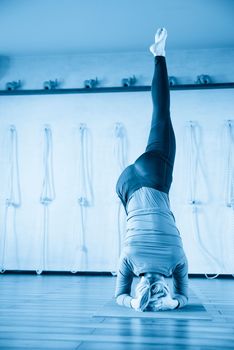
{"points": [[158, 160]]}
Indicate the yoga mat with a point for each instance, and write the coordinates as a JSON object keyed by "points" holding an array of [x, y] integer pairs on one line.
{"points": [[193, 310]]}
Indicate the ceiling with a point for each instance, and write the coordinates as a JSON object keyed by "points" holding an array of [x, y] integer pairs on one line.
{"points": [[83, 26]]}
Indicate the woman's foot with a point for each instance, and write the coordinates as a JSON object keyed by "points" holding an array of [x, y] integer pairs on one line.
{"points": [[158, 48]]}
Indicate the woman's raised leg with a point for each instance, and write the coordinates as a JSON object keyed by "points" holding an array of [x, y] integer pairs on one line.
{"points": [[161, 136]]}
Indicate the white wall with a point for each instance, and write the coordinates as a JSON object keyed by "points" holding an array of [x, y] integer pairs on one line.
{"points": [[100, 112]]}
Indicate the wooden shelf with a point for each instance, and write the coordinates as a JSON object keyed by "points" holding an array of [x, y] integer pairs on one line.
{"points": [[113, 89]]}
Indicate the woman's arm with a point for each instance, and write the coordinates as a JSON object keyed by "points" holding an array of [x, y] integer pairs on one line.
{"points": [[180, 283], [123, 283], [180, 290]]}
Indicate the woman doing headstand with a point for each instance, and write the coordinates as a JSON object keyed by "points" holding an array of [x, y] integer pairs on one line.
{"points": [[152, 246]]}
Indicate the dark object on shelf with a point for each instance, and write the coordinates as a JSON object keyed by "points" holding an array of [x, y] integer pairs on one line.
{"points": [[51, 84], [91, 83], [129, 81], [203, 79], [13, 85], [172, 81]]}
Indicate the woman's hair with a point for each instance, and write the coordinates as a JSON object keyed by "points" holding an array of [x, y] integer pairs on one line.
{"points": [[150, 288]]}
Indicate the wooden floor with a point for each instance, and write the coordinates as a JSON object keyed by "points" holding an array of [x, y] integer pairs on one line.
{"points": [[56, 312]]}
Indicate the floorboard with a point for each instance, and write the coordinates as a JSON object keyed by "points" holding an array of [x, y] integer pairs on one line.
{"points": [[58, 312]]}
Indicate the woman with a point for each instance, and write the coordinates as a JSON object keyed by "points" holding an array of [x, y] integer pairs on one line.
{"points": [[152, 246]]}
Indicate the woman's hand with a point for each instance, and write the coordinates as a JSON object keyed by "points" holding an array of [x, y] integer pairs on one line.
{"points": [[135, 303], [164, 303]]}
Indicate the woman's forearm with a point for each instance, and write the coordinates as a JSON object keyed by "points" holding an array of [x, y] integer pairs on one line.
{"points": [[124, 300], [182, 300]]}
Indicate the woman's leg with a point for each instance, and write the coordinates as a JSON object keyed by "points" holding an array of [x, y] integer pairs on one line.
{"points": [[156, 164], [161, 136]]}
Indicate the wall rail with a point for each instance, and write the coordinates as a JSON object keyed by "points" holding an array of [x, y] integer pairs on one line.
{"points": [[114, 89]]}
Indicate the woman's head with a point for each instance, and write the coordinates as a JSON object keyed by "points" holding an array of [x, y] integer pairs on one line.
{"points": [[150, 288]]}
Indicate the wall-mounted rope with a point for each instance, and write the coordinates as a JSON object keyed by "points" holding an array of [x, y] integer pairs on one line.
{"points": [[229, 170], [85, 197], [47, 195], [13, 199], [229, 185], [120, 151], [194, 162]]}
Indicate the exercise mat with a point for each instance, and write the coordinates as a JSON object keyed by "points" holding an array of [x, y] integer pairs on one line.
{"points": [[193, 310]]}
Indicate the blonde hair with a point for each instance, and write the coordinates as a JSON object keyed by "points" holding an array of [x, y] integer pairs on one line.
{"points": [[150, 288]]}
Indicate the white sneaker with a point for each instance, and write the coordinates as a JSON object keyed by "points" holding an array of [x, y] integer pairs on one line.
{"points": [[158, 48]]}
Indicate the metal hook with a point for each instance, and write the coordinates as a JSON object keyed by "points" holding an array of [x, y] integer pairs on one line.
{"points": [[51, 84], [129, 81], [91, 83], [203, 79], [172, 81], [13, 85]]}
